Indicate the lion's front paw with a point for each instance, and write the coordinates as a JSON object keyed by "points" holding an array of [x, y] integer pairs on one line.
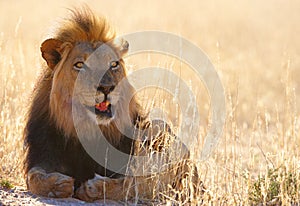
{"points": [[63, 185], [100, 188], [91, 190], [50, 184]]}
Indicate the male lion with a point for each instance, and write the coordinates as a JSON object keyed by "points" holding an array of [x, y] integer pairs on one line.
{"points": [[57, 164]]}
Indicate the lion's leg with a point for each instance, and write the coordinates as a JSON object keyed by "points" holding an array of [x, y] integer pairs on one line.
{"points": [[49, 184], [101, 188]]}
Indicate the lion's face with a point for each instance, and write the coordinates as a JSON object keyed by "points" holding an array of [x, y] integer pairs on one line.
{"points": [[100, 69], [87, 74]]}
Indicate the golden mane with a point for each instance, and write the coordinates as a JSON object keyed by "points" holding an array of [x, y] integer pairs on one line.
{"points": [[83, 25]]}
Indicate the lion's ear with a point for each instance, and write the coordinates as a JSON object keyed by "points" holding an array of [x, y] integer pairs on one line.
{"points": [[51, 51], [122, 46]]}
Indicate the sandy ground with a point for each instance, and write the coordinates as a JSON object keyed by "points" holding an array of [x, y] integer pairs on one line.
{"points": [[20, 196]]}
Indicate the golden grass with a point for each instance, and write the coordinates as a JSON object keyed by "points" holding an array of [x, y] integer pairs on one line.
{"points": [[255, 48]]}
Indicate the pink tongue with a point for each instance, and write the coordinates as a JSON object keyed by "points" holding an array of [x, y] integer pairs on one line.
{"points": [[102, 106]]}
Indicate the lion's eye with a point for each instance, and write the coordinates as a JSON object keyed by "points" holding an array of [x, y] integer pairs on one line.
{"points": [[114, 65], [79, 66]]}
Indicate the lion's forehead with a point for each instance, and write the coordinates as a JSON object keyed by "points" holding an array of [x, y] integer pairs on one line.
{"points": [[95, 53], [97, 48]]}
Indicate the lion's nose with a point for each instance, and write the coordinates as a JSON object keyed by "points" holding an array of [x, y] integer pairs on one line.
{"points": [[105, 89]]}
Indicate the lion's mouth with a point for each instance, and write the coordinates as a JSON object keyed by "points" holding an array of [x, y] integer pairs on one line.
{"points": [[102, 108]]}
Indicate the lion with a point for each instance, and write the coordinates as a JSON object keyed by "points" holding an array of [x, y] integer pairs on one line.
{"points": [[57, 164]]}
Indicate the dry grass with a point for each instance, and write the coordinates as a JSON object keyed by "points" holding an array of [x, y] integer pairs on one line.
{"points": [[255, 47]]}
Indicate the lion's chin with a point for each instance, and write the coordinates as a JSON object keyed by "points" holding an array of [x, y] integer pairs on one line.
{"points": [[103, 121]]}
